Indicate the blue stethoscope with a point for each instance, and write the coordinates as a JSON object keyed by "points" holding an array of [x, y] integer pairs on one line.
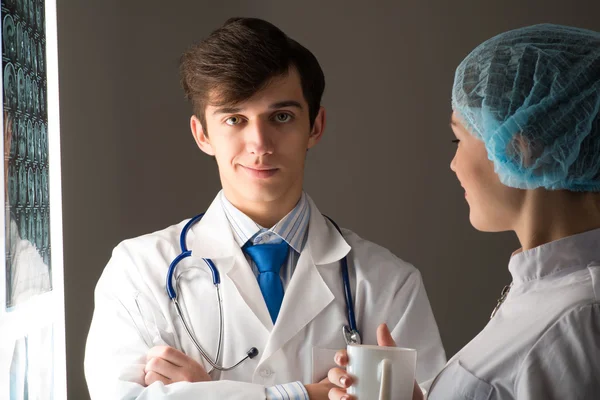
{"points": [[350, 332]]}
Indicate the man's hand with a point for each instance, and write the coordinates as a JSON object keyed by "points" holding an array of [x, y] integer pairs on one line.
{"points": [[342, 380], [169, 365], [317, 391]]}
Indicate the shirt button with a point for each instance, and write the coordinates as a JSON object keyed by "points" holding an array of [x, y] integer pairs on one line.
{"points": [[265, 373]]}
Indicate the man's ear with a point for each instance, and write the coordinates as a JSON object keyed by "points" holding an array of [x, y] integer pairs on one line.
{"points": [[318, 128], [200, 136]]}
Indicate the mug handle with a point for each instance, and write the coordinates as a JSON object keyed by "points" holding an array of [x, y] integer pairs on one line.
{"points": [[384, 375]]}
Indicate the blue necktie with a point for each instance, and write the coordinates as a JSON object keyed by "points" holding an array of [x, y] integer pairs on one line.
{"points": [[268, 259]]}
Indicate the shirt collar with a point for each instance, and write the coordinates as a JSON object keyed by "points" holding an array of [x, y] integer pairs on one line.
{"points": [[576, 251], [292, 228]]}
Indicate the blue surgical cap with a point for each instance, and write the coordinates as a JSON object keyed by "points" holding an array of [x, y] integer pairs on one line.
{"points": [[532, 95]]}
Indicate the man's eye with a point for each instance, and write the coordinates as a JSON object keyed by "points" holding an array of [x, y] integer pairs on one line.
{"points": [[233, 121], [283, 117]]}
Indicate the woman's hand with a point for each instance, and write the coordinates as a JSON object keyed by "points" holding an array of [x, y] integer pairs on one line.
{"points": [[342, 380]]}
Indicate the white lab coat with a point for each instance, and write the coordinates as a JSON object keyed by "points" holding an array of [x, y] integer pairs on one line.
{"points": [[133, 312], [544, 341]]}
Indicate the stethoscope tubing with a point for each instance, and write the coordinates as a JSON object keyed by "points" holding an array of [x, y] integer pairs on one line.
{"points": [[172, 293]]}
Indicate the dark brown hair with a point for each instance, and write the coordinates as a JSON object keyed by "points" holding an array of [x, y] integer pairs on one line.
{"points": [[237, 60]]}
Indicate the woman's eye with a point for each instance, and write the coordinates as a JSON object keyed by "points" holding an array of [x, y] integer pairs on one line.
{"points": [[457, 141], [233, 121], [283, 117]]}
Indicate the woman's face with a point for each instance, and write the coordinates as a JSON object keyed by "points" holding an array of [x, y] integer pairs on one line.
{"points": [[493, 206]]}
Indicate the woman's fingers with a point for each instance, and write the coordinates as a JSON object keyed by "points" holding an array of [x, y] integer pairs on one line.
{"points": [[384, 337], [339, 377]]}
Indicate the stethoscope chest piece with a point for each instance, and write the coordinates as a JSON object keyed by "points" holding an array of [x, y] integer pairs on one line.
{"points": [[351, 336]]}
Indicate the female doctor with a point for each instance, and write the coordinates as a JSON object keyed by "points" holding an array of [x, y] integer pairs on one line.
{"points": [[527, 124], [271, 329]]}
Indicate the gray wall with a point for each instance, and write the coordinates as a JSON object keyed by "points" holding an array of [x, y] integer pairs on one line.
{"points": [[131, 166]]}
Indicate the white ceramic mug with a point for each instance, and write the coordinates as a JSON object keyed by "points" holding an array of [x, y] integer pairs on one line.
{"points": [[383, 373]]}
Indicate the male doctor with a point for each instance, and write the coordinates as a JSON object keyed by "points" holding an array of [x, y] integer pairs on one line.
{"points": [[256, 99]]}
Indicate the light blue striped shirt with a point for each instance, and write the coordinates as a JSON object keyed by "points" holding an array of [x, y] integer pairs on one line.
{"points": [[288, 391], [292, 228]]}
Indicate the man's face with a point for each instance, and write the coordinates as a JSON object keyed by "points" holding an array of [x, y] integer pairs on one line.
{"points": [[260, 144]]}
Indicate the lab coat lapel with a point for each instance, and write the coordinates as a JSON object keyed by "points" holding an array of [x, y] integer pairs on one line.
{"points": [[245, 281], [307, 293], [212, 238]]}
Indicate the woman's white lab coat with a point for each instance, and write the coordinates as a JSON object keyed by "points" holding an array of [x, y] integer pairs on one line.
{"points": [[133, 312], [544, 341]]}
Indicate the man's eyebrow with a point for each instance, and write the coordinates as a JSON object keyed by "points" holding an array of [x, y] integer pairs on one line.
{"points": [[274, 106], [227, 110], [286, 103]]}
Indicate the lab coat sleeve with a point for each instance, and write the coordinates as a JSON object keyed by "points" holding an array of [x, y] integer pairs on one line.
{"points": [[416, 327], [117, 346], [565, 362]]}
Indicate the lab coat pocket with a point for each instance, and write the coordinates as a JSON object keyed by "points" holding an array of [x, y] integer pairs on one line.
{"points": [[322, 362], [151, 323], [457, 383]]}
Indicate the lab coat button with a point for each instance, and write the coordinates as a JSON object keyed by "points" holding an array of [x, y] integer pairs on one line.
{"points": [[265, 373]]}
